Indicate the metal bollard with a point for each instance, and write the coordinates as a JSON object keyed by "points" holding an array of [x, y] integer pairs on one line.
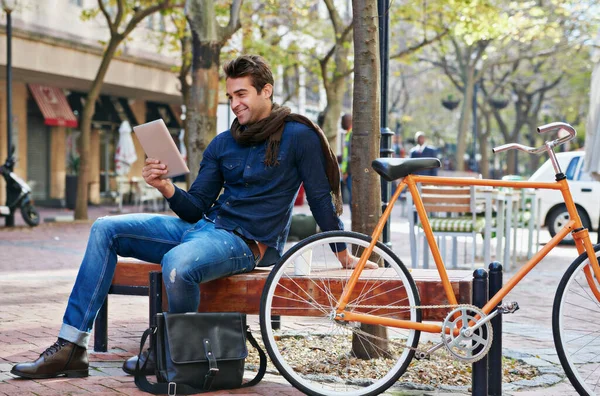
{"points": [[480, 297], [495, 353]]}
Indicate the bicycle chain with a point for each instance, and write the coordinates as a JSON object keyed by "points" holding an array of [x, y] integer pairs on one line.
{"points": [[416, 349], [409, 306]]}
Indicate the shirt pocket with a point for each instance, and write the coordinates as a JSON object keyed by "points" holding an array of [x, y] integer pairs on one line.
{"points": [[264, 172], [232, 170]]}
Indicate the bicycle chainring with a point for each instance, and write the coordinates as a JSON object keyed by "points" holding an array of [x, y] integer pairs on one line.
{"points": [[463, 343]]}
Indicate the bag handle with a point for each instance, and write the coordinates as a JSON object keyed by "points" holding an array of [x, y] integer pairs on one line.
{"points": [[172, 388]]}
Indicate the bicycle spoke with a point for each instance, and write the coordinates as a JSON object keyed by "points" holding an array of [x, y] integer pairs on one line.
{"points": [[338, 357]]}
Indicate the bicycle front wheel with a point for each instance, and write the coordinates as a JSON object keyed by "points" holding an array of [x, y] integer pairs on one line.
{"points": [[576, 327], [323, 356]]}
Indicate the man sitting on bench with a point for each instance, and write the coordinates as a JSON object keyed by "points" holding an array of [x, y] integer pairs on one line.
{"points": [[259, 163]]}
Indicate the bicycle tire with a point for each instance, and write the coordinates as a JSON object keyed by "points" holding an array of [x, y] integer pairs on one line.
{"points": [[328, 365], [575, 324]]}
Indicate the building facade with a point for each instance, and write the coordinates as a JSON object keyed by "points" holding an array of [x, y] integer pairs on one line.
{"points": [[55, 57]]}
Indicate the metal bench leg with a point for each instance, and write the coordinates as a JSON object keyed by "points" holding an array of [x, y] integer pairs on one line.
{"points": [[101, 328]]}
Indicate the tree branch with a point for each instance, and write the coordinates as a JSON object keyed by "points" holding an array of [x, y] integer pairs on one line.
{"points": [[111, 26], [143, 13], [336, 21], [234, 22], [416, 47], [120, 10]]}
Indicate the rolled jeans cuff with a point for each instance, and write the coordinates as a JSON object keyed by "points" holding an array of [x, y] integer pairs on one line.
{"points": [[74, 335]]}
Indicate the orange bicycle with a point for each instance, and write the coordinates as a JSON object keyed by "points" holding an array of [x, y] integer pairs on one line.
{"points": [[332, 331]]}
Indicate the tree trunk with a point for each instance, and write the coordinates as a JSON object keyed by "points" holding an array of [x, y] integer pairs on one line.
{"points": [[335, 88], [366, 188], [117, 34], [204, 100], [484, 140], [184, 71], [515, 137], [334, 79], [208, 37], [465, 117], [81, 212], [331, 124], [534, 160]]}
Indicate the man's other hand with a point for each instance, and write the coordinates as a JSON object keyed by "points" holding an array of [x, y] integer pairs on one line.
{"points": [[350, 261]]}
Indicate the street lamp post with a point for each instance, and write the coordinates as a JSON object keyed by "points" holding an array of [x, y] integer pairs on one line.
{"points": [[9, 6], [385, 150]]}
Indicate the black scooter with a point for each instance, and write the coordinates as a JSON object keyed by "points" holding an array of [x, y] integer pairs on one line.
{"points": [[18, 194]]}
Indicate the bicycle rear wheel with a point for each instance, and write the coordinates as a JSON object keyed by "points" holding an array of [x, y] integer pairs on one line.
{"points": [[322, 356], [576, 327]]}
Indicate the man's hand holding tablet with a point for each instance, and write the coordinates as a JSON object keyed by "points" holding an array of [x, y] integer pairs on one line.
{"points": [[153, 172], [164, 160]]}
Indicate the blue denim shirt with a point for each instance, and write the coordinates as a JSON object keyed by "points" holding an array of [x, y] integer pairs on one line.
{"points": [[257, 200]]}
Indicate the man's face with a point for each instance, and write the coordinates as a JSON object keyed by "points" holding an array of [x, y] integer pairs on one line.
{"points": [[421, 140], [248, 105]]}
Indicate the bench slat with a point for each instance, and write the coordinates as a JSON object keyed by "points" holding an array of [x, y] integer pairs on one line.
{"points": [[242, 292], [133, 273]]}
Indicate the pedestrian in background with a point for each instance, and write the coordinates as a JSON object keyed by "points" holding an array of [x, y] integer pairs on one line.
{"points": [[397, 146], [423, 150]]}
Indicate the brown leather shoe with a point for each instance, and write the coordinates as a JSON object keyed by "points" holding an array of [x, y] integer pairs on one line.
{"points": [[62, 358]]}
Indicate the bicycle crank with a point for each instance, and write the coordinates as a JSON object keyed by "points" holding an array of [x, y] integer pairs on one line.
{"points": [[467, 333]]}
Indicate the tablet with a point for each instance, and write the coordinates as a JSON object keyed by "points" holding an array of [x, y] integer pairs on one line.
{"points": [[158, 143]]}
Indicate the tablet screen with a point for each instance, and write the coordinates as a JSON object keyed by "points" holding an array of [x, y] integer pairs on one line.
{"points": [[158, 143]]}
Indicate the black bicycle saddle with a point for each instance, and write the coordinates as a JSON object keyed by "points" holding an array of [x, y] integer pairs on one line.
{"points": [[395, 168]]}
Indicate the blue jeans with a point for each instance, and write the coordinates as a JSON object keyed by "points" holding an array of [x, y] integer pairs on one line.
{"points": [[189, 254]]}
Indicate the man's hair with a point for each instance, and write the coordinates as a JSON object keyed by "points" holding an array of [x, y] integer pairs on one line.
{"points": [[254, 66], [346, 121]]}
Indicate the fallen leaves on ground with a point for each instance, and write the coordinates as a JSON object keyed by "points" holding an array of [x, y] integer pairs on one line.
{"points": [[439, 369]]}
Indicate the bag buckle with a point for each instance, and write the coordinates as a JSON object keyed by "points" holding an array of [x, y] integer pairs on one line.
{"points": [[213, 371], [172, 389]]}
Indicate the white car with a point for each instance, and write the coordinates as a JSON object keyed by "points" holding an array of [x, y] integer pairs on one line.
{"points": [[584, 188]]}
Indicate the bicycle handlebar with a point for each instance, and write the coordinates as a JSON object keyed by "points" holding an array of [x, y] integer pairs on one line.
{"points": [[554, 126]]}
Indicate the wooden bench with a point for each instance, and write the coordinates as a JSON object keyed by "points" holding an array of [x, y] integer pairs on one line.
{"points": [[242, 292]]}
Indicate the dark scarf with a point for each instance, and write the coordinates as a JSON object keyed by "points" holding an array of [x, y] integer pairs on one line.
{"points": [[271, 130]]}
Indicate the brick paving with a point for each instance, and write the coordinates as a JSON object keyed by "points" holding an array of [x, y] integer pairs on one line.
{"points": [[38, 267]]}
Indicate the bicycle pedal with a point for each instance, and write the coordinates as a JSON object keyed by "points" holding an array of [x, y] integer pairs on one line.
{"points": [[508, 307], [420, 355]]}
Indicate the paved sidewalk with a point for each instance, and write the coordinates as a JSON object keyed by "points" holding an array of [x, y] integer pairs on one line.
{"points": [[38, 267]]}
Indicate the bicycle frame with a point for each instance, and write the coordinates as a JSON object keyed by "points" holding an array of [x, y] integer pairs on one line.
{"points": [[574, 226]]}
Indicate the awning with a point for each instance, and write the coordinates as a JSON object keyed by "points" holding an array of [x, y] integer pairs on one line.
{"points": [[162, 110], [108, 109], [53, 105]]}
